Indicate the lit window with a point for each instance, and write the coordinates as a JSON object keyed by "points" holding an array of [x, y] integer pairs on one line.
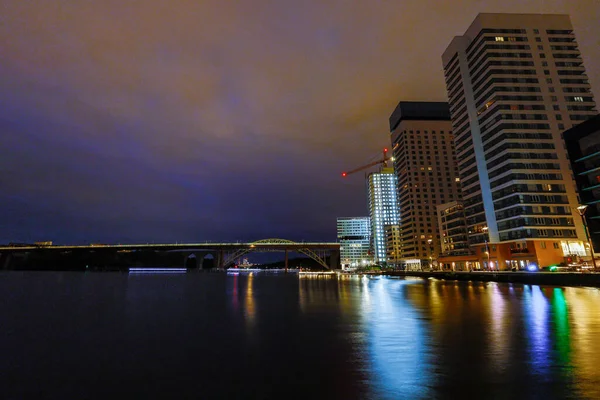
{"points": [[499, 39]]}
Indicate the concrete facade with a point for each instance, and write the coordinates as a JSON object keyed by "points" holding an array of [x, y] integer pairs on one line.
{"points": [[515, 82]]}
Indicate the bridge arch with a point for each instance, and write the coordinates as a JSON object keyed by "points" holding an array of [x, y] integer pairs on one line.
{"points": [[255, 246], [191, 261], [209, 261], [201, 260]]}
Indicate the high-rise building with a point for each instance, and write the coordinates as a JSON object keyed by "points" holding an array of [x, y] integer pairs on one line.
{"points": [[392, 245], [425, 165], [583, 147], [515, 82], [383, 209], [354, 235]]}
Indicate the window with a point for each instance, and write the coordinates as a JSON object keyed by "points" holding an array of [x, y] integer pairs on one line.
{"points": [[499, 39], [538, 39], [540, 47], [536, 31], [543, 245], [578, 98]]}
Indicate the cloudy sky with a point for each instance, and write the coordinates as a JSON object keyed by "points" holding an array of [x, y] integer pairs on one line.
{"points": [[141, 121]]}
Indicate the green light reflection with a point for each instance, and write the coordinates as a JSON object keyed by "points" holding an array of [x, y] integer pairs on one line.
{"points": [[561, 323]]}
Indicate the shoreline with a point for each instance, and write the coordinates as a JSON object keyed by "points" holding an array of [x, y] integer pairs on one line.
{"points": [[529, 278], [575, 279]]}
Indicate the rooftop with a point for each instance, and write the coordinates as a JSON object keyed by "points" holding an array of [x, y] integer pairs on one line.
{"points": [[419, 111]]}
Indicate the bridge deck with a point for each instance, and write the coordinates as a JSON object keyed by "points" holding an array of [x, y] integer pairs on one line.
{"points": [[182, 246]]}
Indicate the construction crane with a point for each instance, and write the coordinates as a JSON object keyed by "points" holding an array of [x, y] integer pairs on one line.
{"points": [[384, 160]]}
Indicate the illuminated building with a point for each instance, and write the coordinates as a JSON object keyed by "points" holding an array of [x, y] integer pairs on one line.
{"points": [[354, 235], [514, 83], [425, 165], [383, 209], [583, 146]]}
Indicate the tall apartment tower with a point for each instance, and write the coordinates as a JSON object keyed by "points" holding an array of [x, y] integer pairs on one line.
{"points": [[515, 82], [354, 235], [425, 164], [583, 147], [383, 209]]}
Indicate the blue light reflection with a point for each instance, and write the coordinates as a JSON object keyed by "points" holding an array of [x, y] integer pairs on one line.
{"points": [[396, 341], [538, 330]]}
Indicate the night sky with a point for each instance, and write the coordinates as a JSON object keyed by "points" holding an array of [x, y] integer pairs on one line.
{"points": [[163, 121]]}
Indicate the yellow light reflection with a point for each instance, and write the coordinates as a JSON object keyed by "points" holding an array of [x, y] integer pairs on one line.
{"points": [[249, 306], [499, 340], [583, 306]]}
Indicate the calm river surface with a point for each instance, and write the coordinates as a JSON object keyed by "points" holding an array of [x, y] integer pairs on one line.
{"points": [[213, 336]]}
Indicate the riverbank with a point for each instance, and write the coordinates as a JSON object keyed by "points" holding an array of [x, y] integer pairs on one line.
{"points": [[531, 278]]}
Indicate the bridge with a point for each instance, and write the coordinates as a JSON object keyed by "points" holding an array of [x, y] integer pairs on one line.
{"points": [[224, 254]]}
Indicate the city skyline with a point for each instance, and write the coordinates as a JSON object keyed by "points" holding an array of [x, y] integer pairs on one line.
{"points": [[128, 124]]}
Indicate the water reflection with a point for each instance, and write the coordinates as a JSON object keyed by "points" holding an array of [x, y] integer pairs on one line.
{"points": [[536, 318], [265, 336], [249, 307], [425, 339], [396, 341], [499, 343], [560, 314]]}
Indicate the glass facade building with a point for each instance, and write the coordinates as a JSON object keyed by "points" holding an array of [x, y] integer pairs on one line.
{"points": [[354, 236], [383, 209]]}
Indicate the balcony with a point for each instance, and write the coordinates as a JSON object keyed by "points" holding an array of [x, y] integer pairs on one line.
{"points": [[594, 168], [591, 187], [595, 153]]}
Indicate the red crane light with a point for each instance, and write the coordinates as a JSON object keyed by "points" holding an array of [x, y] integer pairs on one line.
{"points": [[382, 161]]}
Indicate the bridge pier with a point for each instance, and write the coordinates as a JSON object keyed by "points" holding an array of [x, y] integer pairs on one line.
{"points": [[334, 259], [220, 260]]}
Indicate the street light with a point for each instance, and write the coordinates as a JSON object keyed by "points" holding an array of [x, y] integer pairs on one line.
{"points": [[582, 209], [487, 249], [430, 241]]}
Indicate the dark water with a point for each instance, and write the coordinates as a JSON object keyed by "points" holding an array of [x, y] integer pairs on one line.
{"points": [[204, 336]]}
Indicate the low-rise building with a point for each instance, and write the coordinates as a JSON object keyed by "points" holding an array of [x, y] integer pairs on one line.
{"points": [[456, 254], [354, 235]]}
